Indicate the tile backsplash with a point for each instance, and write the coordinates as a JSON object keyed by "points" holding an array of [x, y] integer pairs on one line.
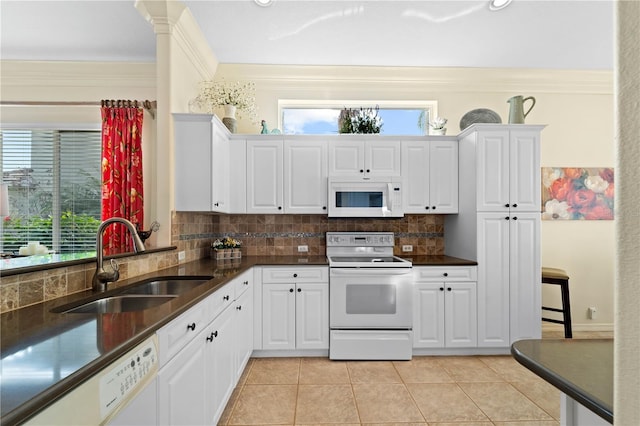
{"points": [[278, 235]]}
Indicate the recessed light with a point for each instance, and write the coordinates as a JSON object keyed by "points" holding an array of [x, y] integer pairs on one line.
{"points": [[496, 4], [263, 3]]}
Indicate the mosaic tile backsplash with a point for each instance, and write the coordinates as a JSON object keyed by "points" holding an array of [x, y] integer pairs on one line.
{"points": [[193, 233]]}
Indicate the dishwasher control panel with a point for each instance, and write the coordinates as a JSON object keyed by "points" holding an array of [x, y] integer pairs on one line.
{"points": [[126, 375]]}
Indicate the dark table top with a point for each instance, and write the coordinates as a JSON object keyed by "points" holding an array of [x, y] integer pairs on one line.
{"points": [[581, 368], [45, 355]]}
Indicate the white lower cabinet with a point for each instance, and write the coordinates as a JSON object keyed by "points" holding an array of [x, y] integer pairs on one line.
{"points": [[195, 385], [295, 315], [444, 314]]}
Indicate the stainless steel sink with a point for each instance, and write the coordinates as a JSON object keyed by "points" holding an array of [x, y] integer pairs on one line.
{"points": [[167, 286], [117, 304]]}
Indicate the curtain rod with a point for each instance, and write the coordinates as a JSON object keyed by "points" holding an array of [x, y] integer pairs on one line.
{"points": [[148, 105]]}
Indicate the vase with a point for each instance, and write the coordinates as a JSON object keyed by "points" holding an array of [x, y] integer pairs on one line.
{"points": [[438, 131], [229, 119]]}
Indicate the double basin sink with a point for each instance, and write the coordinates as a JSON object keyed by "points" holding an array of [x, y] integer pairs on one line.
{"points": [[137, 297]]}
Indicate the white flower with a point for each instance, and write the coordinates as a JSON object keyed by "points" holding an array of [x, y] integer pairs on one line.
{"points": [[554, 210], [438, 123], [550, 174], [596, 183]]}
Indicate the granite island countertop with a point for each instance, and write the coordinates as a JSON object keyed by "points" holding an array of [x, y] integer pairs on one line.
{"points": [[580, 368], [58, 352]]}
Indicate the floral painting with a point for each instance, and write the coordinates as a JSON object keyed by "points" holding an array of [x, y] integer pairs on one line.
{"points": [[570, 193]]}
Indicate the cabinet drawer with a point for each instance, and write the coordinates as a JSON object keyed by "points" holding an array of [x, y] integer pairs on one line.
{"points": [[242, 283], [296, 274], [220, 299], [445, 273], [179, 332]]}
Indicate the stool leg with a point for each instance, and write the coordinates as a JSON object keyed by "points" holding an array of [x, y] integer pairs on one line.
{"points": [[566, 307]]}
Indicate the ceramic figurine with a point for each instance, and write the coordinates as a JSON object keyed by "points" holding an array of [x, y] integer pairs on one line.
{"points": [[264, 131]]}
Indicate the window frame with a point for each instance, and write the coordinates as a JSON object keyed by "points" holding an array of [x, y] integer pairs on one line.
{"points": [[429, 105]]}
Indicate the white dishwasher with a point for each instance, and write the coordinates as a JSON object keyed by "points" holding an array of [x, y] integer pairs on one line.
{"points": [[124, 393]]}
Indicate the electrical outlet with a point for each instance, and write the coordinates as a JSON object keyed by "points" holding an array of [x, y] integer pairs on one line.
{"points": [[181, 256], [591, 313], [303, 249], [407, 248]]}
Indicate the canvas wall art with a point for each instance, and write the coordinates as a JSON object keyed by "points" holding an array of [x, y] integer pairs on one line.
{"points": [[572, 193]]}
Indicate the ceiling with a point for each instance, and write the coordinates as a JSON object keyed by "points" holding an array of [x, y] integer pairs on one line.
{"points": [[573, 34]]}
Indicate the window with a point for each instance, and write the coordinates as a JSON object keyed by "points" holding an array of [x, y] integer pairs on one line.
{"points": [[54, 188], [321, 118]]}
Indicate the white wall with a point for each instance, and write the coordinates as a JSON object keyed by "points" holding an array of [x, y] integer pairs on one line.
{"points": [[576, 106]]}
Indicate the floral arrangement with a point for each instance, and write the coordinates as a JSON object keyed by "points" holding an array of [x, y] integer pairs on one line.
{"points": [[577, 193], [364, 120], [438, 123], [240, 94], [226, 243]]}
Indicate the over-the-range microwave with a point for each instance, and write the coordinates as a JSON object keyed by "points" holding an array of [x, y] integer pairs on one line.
{"points": [[355, 197]]}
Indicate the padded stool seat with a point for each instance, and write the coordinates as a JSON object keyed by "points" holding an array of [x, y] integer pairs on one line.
{"points": [[559, 277]]}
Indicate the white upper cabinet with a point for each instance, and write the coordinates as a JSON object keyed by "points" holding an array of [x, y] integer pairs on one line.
{"points": [[193, 160], [508, 170], [364, 158], [264, 176], [430, 176], [220, 171], [305, 177]]}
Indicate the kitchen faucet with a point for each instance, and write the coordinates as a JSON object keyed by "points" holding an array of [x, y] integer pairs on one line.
{"points": [[102, 277]]}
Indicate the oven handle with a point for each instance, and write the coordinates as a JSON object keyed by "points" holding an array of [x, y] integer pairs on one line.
{"points": [[370, 271]]}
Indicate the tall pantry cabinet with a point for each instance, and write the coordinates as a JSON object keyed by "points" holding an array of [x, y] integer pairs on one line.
{"points": [[500, 211]]}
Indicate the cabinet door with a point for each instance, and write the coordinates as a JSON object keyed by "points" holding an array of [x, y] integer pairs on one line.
{"points": [[219, 172], [278, 316], [428, 315], [493, 279], [524, 153], [181, 386], [244, 331], [525, 276], [346, 158], [220, 377], [493, 170], [381, 158], [443, 177], [461, 322], [193, 162], [264, 176], [312, 316], [415, 176], [305, 177]]}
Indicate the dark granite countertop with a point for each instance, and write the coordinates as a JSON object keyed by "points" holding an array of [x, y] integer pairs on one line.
{"points": [[45, 355], [581, 368]]}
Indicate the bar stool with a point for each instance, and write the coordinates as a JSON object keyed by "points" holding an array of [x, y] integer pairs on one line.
{"points": [[559, 277]]}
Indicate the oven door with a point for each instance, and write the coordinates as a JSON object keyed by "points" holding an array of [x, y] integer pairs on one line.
{"points": [[376, 298]]}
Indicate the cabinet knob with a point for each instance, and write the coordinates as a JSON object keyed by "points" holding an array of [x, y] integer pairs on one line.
{"points": [[324, 207], [191, 326], [448, 288], [433, 207], [514, 205], [226, 297], [368, 171], [239, 308], [515, 218], [506, 218], [212, 335], [506, 205], [290, 290], [216, 204], [361, 170], [279, 207], [295, 275], [426, 207], [299, 290], [446, 274], [441, 288], [246, 283]]}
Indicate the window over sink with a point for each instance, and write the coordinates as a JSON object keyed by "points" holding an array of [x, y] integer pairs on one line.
{"points": [[316, 117]]}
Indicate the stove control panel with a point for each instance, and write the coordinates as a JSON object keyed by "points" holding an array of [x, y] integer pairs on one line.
{"points": [[360, 239]]}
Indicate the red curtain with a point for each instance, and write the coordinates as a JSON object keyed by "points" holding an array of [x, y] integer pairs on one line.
{"points": [[122, 193]]}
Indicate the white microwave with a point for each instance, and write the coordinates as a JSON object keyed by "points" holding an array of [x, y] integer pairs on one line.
{"points": [[379, 197]]}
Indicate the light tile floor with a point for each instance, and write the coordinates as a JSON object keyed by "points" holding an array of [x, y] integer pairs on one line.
{"points": [[460, 390]]}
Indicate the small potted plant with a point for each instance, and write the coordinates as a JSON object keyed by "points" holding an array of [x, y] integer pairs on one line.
{"points": [[226, 248], [437, 126], [238, 96]]}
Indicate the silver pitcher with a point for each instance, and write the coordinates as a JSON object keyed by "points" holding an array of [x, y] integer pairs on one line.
{"points": [[516, 111]]}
